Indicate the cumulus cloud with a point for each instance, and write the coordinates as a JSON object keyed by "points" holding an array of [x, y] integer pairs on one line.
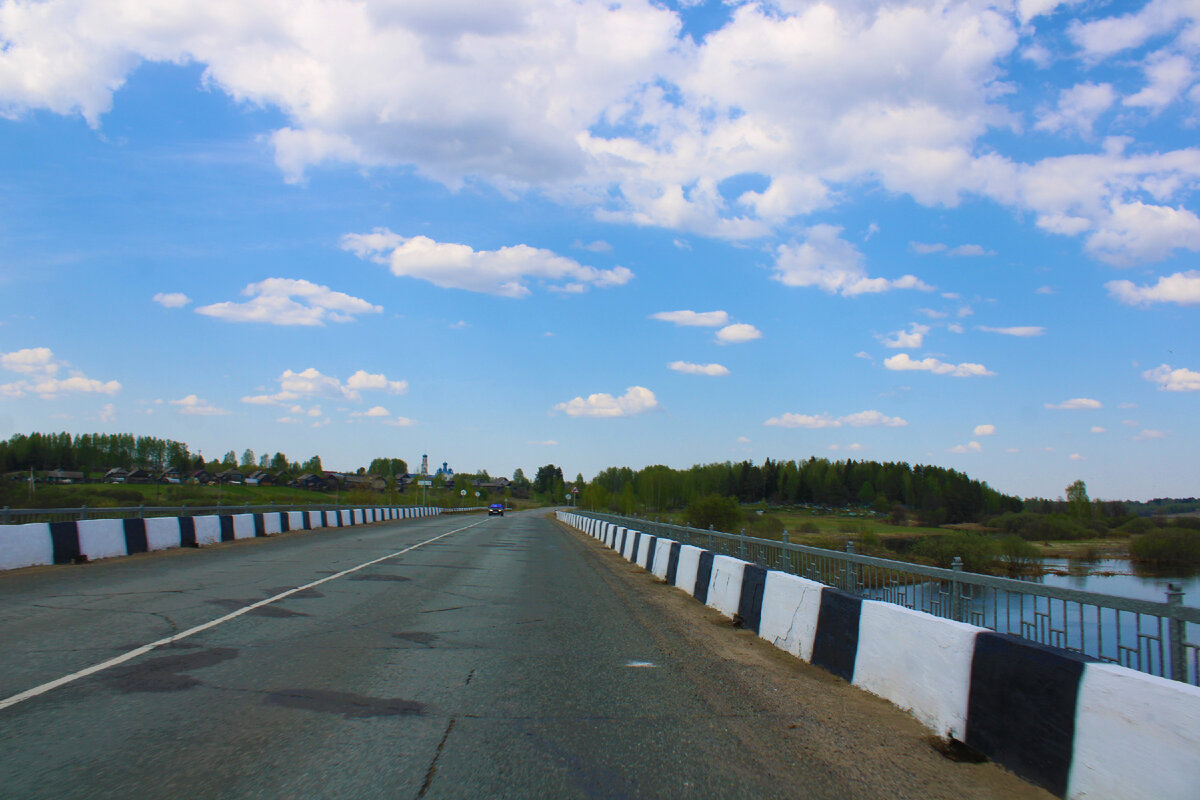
{"points": [[712, 370], [505, 272], [636, 400], [1076, 404], [832, 264], [701, 319], [1099, 429], [738, 333], [376, 411], [283, 301], [984, 430], [1023, 331], [1077, 110], [903, 362], [598, 246], [172, 299], [1148, 434], [40, 370], [969, 447], [1181, 288], [197, 406], [861, 419], [921, 248], [1076, 457], [1173, 380], [313, 383], [912, 338]]}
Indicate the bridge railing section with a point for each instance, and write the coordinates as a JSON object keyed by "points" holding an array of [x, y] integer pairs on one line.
{"points": [[1159, 638], [18, 516]]}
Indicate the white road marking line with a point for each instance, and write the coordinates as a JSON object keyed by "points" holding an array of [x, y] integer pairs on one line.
{"points": [[640, 664], [146, 648]]}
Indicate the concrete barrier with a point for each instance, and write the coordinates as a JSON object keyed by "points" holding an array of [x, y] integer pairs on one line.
{"points": [[45, 543], [1079, 728]]}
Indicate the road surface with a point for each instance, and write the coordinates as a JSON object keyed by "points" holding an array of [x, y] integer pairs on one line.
{"points": [[460, 656]]}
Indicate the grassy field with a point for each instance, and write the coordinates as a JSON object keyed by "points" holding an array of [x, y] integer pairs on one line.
{"points": [[98, 495]]}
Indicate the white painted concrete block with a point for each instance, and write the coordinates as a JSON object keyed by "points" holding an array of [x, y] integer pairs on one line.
{"points": [[243, 526], [725, 585], [791, 605], [662, 554], [25, 545], [919, 662], [1136, 736], [162, 533], [102, 538], [271, 524], [689, 562], [208, 529]]}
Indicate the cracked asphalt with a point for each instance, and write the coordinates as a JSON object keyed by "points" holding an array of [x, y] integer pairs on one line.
{"points": [[513, 658]]}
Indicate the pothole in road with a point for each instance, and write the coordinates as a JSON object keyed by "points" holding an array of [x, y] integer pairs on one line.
{"points": [[349, 705], [418, 637], [166, 673], [273, 611]]}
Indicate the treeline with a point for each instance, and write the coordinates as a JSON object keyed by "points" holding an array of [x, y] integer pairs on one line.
{"points": [[936, 495]]}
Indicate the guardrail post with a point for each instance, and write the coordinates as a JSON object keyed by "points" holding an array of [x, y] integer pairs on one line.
{"points": [[742, 544], [1178, 633], [784, 561], [848, 573], [83, 511], [142, 511], [710, 536], [7, 515], [956, 597]]}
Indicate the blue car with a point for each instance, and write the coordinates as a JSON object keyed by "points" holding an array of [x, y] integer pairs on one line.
{"points": [[496, 508]]}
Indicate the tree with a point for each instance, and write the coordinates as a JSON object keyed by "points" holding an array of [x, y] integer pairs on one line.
{"points": [[248, 458], [722, 513], [279, 463], [230, 460], [312, 465], [1077, 499], [546, 479]]}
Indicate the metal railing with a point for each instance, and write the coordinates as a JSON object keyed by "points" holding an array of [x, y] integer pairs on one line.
{"points": [[17, 516], [1159, 638]]}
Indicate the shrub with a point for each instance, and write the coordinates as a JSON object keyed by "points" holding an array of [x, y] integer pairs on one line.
{"points": [[977, 551], [766, 526], [1018, 555], [808, 526], [722, 513], [1172, 546], [1135, 526]]}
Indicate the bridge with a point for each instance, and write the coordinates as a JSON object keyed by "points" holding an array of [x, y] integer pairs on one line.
{"points": [[439, 656]]}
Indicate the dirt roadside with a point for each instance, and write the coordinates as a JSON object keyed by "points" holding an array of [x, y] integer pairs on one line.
{"points": [[788, 713]]}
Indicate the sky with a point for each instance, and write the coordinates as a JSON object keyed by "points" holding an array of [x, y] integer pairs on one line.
{"points": [[604, 233]]}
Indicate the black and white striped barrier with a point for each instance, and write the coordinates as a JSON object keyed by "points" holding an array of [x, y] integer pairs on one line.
{"points": [[39, 543], [1078, 727]]}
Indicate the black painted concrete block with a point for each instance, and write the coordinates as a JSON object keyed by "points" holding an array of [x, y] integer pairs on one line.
{"points": [[135, 536], [750, 602], [835, 646], [1021, 706], [227, 528], [703, 576], [64, 538], [673, 563], [187, 532]]}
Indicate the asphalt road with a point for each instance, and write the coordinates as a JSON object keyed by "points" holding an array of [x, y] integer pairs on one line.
{"points": [[508, 658]]}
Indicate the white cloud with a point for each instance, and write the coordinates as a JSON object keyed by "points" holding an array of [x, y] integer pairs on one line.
{"points": [[1078, 108], [1148, 434], [714, 370], [920, 248], [283, 301], [197, 406], [598, 246], [1168, 75], [505, 272], [738, 333], [1173, 380], [861, 419], [1182, 288], [902, 362], [985, 430], [546, 443], [376, 411], [108, 413], [40, 367], [1076, 404], [1045, 290], [1099, 429], [312, 383], [969, 447], [1076, 457], [970, 250], [702, 319], [1023, 331], [832, 264], [636, 400], [912, 338], [172, 299], [400, 422]]}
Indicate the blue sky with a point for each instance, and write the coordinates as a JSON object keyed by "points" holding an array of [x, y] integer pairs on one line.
{"points": [[597, 233]]}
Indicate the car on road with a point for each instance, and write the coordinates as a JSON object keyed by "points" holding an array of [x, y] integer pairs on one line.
{"points": [[496, 508]]}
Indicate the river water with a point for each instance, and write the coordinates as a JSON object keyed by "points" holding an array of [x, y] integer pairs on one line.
{"points": [[1120, 577]]}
